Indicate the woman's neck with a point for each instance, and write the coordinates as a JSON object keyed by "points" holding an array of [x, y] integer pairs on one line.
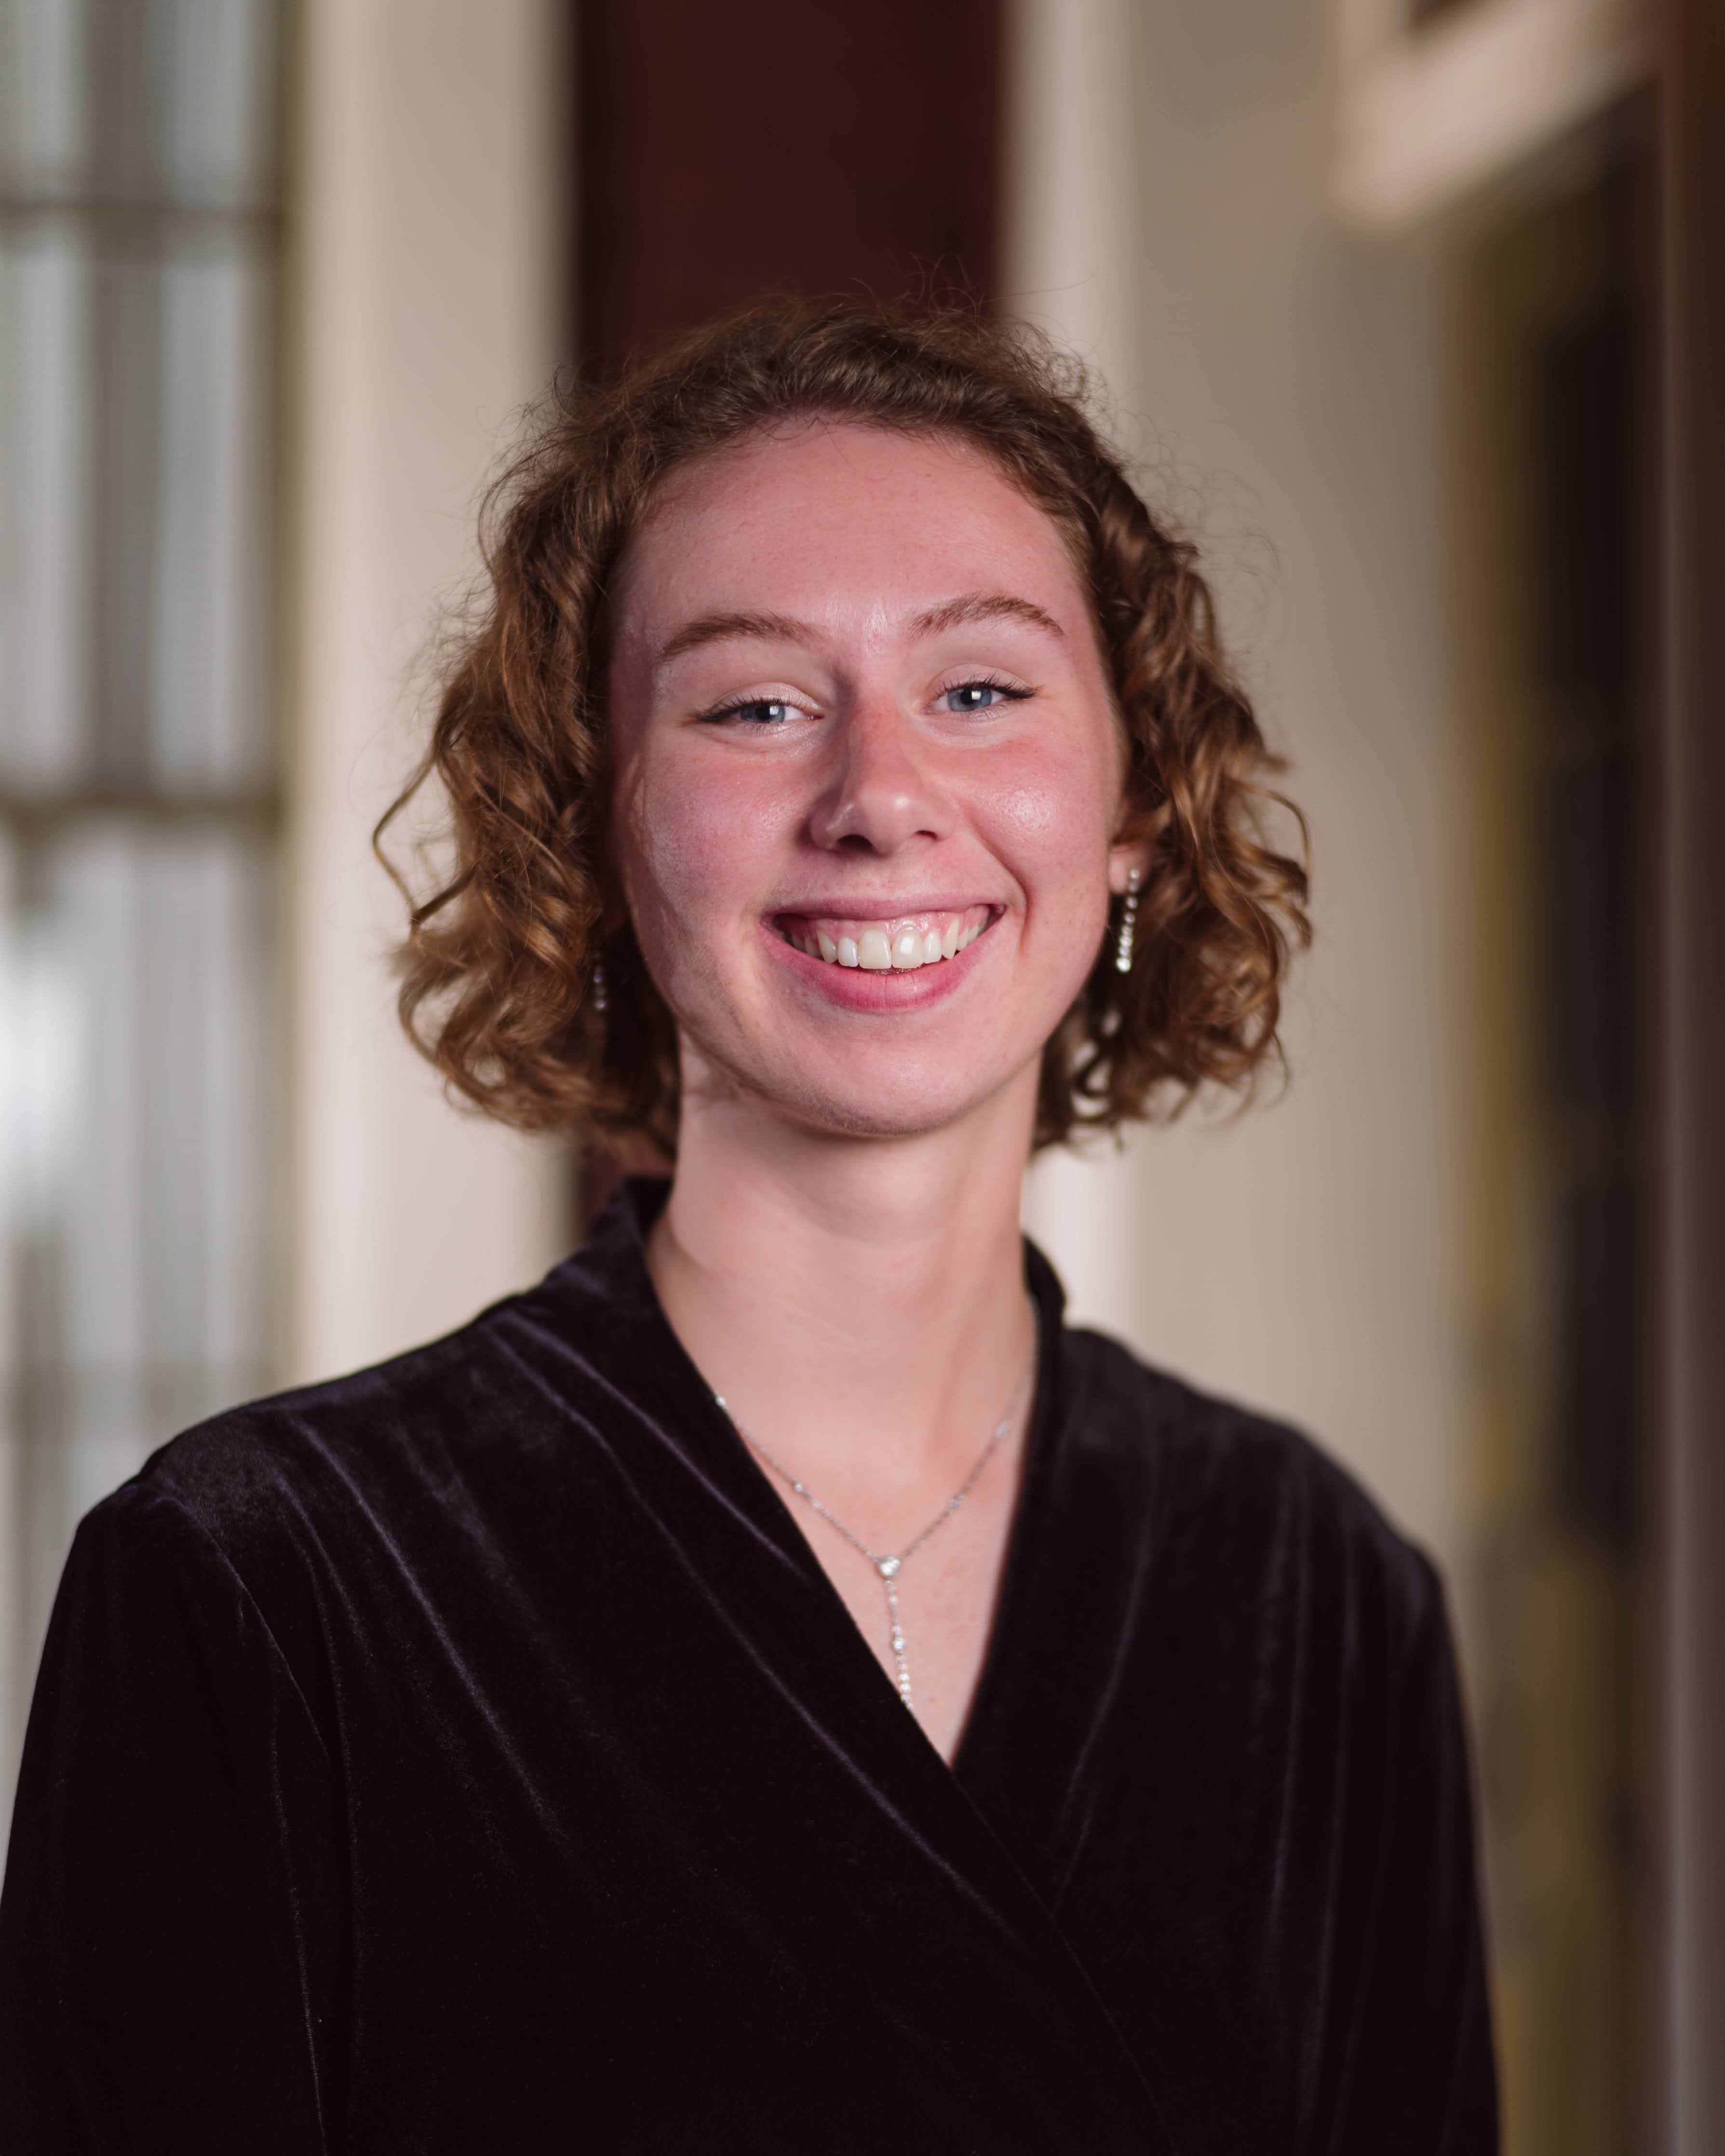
{"points": [[859, 1301]]}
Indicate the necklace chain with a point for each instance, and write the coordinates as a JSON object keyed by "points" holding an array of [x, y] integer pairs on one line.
{"points": [[890, 1566]]}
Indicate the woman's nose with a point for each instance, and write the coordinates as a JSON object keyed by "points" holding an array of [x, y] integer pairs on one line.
{"points": [[881, 794]]}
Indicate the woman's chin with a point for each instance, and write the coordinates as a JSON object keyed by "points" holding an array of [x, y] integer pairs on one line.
{"points": [[872, 1118], [862, 1096]]}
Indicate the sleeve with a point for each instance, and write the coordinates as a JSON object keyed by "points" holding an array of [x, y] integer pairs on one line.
{"points": [[171, 1922], [1424, 2076]]}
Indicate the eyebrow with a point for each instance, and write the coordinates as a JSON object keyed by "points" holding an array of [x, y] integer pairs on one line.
{"points": [[723, 628], [785, 629], [985, 606]]}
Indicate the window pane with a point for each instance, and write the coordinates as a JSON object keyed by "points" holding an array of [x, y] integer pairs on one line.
{"points": [[166, 102], [209, 536], [43, 95], [45, 455], [138, 261], [136, 1014], [219, 74]]}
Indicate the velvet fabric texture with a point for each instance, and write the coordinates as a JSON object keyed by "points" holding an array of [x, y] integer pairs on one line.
{"points": [[470, 1755]]}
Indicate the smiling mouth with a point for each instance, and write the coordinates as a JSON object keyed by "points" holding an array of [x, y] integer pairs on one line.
{"points": [[898, 945]]}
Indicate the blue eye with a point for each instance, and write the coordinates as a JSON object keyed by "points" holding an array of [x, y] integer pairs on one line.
{"points": [[979, 695], [758, 711]]}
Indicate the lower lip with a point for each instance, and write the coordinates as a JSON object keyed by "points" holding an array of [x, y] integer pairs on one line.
{"points": [[857, 988]]}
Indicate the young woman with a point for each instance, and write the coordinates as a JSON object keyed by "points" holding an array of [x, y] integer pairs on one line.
{"points": [[773, 1686]]}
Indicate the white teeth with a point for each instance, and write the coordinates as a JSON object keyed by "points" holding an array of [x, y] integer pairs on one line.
{"points": [[877, 951]]}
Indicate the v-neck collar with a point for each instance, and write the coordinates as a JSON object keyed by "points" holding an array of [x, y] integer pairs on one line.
{"points": [[619, 1246], [635, 1352]]}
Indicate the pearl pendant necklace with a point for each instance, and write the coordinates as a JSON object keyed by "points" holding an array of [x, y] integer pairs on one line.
{"points": [[889, 1567]]}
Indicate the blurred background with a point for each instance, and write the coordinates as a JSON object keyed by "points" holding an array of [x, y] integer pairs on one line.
{"points": [[1410, 310]]}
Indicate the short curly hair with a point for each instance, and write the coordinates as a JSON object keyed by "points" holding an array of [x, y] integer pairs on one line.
{"points": [[501, 958]]}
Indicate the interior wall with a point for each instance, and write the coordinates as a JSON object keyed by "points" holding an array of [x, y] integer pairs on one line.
{"points": [[1282, 383], [426, 311]]}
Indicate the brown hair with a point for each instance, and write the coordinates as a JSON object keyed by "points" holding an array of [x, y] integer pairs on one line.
{"points": [[499, 965]]}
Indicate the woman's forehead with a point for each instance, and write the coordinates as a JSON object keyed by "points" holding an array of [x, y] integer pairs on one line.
{"points": [[829, 509]]}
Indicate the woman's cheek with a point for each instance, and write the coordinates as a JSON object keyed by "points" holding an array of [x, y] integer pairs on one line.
{"points": [[1052, 832], [663, 860], [705, 841]]}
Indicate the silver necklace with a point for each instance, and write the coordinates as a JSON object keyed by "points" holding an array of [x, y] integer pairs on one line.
{"points": [[890, 1567]]}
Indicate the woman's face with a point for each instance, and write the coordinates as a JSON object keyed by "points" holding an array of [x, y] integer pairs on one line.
{"points": [[868, 776]]}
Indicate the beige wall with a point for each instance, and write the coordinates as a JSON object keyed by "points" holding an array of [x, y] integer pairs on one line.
{"points": [[424, 314], [1280, 380]]}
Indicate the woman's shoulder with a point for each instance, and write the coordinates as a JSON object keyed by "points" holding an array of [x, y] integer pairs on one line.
{"points": [[374, 1445], [1225, 1485]]}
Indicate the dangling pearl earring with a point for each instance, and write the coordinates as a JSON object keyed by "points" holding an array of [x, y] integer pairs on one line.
{"points": [[1128, 923], [599, 998]]}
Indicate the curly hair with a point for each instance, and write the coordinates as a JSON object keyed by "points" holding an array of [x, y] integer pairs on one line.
{"points": [[500, 962]]}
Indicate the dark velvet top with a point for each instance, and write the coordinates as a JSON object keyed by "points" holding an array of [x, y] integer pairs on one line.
{"points": [[472, 1756]]}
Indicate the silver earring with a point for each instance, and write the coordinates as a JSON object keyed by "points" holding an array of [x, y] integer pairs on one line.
{"points": [[1128, 924], [599, 999]]}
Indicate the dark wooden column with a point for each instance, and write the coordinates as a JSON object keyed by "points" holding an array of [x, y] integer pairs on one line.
{"points": [[1693, 1044], [726, 151]]}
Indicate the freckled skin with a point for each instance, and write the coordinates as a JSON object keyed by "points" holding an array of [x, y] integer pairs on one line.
{"points": [[873, 790]]}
